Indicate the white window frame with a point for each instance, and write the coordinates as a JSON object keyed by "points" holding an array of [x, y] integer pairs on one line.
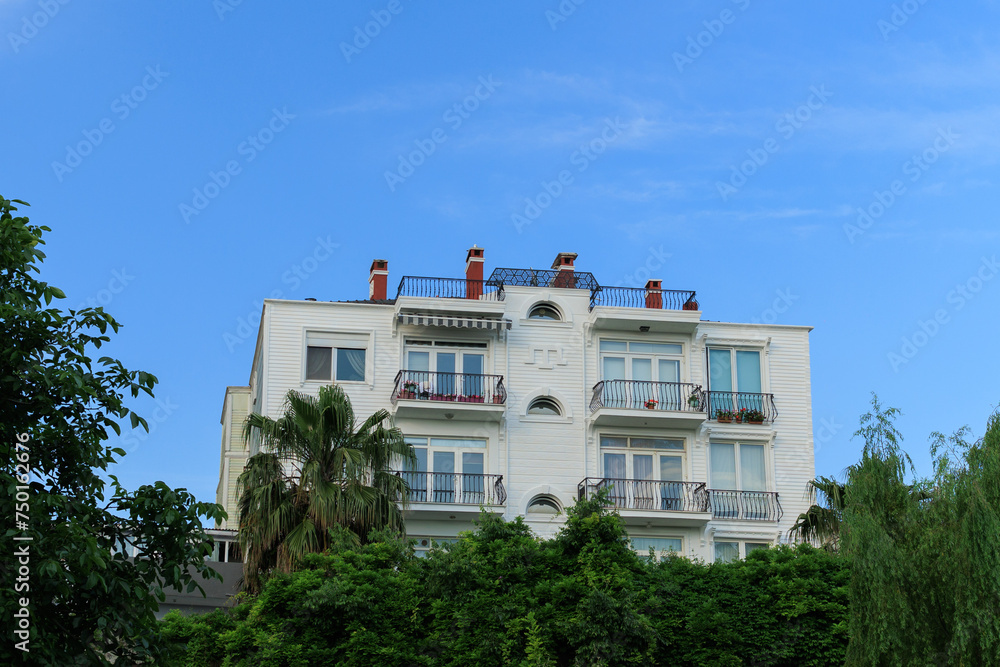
{"points": [[631, 451], [659, 553], [740, 546], [628, 355], [434, 345], [339, 340], [733, 349], [458, 451], [768, 464]]}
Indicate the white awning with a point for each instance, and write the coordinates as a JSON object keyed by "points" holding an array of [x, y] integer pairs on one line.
{"points": [[485, 323]]}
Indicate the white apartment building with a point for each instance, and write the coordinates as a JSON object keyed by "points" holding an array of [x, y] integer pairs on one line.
{"points": [[528, 389]]}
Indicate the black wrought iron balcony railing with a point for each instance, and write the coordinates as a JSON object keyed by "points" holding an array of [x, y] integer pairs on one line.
{"points": [[454, 488], [644, 494], [740, 406], [545, 278], [640, 297], [449, 387], [645, 395], [450, 288], [747, 505]]}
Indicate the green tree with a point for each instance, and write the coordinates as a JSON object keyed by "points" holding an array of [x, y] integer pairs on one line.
{"points": [[821, 522], [500, 596], [925, 556], [87, 602], [317, 469]]}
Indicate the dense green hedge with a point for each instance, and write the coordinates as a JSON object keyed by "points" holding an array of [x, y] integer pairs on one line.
{"points": [[502, 597]]}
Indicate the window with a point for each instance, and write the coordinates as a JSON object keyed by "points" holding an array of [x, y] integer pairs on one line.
{"points": [[448, 470], [350, 364], [423, 545], [738, 466], [544, 311], [726, 551], [544, 504], [544, 406], [650, 471], [661, 546], [335, 357], [638, 373]]}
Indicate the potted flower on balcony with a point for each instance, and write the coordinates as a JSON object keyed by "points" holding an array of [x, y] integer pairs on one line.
{"points": [[754, 416], [740, 416], [694, 400], [474, 399], [650, 404], [409, 389], [724, 416]]}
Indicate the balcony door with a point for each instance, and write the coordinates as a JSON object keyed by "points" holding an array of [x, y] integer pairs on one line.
{"points": [[733, 372], [644, 473], [738, 476], [446, 369], [651, 372], [448, 470]]}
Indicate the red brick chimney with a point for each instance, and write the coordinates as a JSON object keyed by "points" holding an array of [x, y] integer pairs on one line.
{"points": [[474, 273], [654, 294], [378, 278], [564, 264]]}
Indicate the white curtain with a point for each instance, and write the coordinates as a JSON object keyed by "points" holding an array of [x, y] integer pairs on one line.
{"points": [[753, 474], [723, 461], [351, 365], [748, 372], [727, 552]]}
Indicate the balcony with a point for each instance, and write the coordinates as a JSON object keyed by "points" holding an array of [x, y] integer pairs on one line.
{"points": [[452, 296], [740, 407], [644, 403], [461, 396], [455, 489], [436, 495], [745, 505], [653, 309], [652, 502]]}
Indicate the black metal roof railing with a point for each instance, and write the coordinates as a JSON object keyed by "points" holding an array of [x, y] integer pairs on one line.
{"points": [[640, 297], [492, 289], [450, 288], [545, 278]]}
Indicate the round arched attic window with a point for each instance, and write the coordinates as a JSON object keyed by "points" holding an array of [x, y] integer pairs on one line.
{"points": [[544, 504], [544, 311], [544, 406]]}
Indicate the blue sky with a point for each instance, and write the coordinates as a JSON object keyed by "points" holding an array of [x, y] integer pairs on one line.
{"points": [[194, 158]]}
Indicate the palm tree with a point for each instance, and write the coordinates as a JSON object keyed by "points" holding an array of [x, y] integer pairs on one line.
{"points": [[317, 470], [821, 522]]}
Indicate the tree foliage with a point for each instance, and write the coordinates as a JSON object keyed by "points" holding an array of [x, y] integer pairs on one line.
{"points": [[317, 469], [501, 596], [86, 601], [925, 584]]}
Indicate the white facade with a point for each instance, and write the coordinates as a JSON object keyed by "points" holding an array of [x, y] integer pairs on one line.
{"points": [[681, 479]]}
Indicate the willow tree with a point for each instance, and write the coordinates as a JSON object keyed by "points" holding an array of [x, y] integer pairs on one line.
{"points": [[925, 557], [317, 469]]}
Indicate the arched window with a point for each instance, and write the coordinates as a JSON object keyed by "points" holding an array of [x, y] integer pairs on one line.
{"points": [[544, 504], [544, 406], [544, 311]]}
